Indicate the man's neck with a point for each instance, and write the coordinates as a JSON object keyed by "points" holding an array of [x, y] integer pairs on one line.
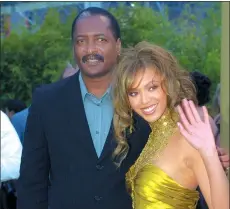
{"points": [[97, 86]]}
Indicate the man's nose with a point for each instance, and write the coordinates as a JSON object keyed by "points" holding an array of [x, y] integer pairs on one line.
{"points": [[91, 48]]}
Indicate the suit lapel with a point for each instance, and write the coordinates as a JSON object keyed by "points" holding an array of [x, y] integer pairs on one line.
{"points": [[109, 144], [136, 140], [77, 114]]}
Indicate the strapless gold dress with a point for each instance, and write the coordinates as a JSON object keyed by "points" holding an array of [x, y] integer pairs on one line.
{"points": [[152, 188], [149, 186]]}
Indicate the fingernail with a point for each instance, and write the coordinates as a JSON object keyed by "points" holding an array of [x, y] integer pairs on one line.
{"points": [[184, 100]]}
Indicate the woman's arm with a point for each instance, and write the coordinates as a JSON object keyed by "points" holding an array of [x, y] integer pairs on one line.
{"points": [[211, 178], [206, 164], [219, 184]]}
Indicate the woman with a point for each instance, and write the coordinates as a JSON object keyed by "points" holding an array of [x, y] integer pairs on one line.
{"points": [[180, 153]]}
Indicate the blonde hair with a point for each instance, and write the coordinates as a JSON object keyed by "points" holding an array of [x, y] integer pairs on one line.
{"points": [[177, 83]]}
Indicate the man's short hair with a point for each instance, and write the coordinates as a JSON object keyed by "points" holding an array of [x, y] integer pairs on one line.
{"points": [[14, 105], [92, 11], [203, 85]]}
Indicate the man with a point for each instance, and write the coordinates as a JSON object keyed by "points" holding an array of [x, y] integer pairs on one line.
{"points": [[13, 106], [19, 119], [11, 150], [69, 133], [19, 122]]}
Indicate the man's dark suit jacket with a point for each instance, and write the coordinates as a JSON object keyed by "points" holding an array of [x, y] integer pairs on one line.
{"points": [[58, 144]]}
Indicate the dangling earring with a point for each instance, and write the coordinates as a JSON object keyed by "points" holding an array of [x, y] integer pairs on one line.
{"points": [[131, 122]]}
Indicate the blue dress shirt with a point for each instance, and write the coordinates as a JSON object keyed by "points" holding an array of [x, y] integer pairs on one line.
{"points": [[19, 122], [99, 114]]}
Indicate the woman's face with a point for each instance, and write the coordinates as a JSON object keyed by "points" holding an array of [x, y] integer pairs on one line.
{"points": [[146, 95]]}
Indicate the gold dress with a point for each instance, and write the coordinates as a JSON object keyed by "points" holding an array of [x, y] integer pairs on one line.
{"points": [[149, 186]]}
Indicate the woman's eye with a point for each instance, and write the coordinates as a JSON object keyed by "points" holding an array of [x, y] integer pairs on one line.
{"points": [[153, 88], [132, 94]]}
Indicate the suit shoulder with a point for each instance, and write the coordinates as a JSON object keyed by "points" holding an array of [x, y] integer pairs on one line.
{"points": [[141, 124], [53, 90]]}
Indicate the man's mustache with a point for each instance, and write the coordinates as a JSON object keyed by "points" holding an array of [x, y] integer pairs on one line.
{"points": [[92, 57]]}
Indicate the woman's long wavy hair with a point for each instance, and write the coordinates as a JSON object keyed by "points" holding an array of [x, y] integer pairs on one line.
{"points": [[176, 82]]}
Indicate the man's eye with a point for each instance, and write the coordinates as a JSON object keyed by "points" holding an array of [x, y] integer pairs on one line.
{"points": [[80, 41], [101, 39]]}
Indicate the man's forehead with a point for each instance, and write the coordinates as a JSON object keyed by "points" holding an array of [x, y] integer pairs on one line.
{"points": [[97, 24], [89, 17]]}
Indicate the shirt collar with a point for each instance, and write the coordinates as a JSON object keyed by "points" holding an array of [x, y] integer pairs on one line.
{"points": [[84, 90]]}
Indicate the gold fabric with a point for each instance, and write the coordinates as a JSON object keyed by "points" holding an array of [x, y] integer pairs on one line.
{"points": [[149, 186]]}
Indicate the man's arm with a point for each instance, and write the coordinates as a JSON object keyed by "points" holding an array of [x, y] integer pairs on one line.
{"points": [[11, 150], [32, 186]]}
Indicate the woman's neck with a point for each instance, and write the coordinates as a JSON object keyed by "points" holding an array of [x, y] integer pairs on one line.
{"points": [[166, 122]]}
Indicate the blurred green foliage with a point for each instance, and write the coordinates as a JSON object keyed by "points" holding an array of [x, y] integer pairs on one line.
{"points": [[29, 59]]}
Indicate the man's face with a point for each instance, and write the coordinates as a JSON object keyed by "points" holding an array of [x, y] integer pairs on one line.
{"points": [[95, 48]]}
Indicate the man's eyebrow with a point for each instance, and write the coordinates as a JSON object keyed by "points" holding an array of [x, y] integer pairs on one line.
{"points": [[84, 35], [100, 34]]}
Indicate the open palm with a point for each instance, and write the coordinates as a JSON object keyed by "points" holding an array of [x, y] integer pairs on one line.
{"points": [[197, 132]]}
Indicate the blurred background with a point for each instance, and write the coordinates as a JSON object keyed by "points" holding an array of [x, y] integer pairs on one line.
{"points": [[36, 49], [36, 38]]}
